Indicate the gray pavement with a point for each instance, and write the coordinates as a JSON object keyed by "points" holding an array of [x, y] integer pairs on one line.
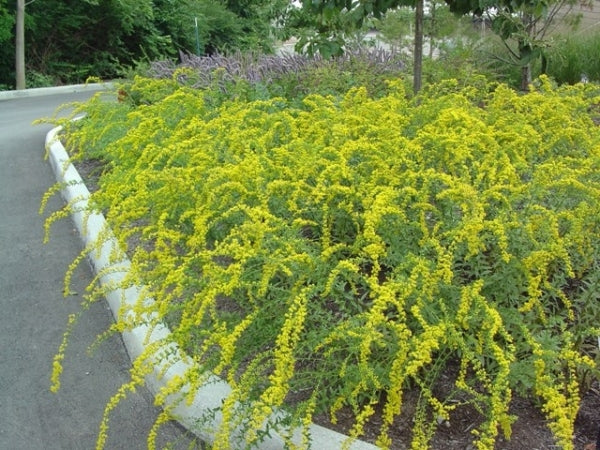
{"points": [[33, 312]]}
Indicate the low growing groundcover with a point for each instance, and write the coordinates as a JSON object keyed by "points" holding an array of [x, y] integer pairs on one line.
{"points": [[335, 253]]}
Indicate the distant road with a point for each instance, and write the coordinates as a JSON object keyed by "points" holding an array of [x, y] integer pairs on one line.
{"points": [[33, 312]]}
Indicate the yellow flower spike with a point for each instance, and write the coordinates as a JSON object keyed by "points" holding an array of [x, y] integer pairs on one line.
{"points": [[229, 339], [162, 418], [360, 421], [60, 354], [427, 342]]}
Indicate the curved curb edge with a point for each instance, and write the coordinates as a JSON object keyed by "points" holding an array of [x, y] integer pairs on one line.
{"points": [[38, 92], [209, 396]]}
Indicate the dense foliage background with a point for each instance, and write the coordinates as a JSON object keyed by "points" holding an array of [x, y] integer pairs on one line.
{"points": [[70, 40], [67, 41]]}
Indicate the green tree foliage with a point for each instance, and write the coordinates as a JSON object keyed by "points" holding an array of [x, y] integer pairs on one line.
{"points": [[259, 20], [73, 39], [523, 26], [222, 26], [6, 22], [69, 40], [333, 19], [439, 23], [396, 26]]}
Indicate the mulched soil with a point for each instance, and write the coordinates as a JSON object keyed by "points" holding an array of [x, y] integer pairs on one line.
{"points": [[529, 432]]}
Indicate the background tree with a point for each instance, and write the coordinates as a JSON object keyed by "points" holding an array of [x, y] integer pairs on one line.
{"points": [[439, 23], [69, 40], [333, 19], [6, 22], [258, 20], [524, 26], [396, 27], [20, 45], [222, 26]]}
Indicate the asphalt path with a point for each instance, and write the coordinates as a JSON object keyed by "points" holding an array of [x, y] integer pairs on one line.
{"points": [[33, 313]]}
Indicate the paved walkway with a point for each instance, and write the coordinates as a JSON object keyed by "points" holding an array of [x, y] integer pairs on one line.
{"points": [[33, 312]]}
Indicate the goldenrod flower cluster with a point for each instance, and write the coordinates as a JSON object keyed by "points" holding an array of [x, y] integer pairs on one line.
{"points": [[333, 254]]}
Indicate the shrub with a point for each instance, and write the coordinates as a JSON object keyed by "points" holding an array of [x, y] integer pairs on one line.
{"points": [[341, 251], [35, 80], [460, 60]]}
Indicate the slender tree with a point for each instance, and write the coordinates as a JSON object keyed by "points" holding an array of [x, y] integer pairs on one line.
{"points": [[20, 45], [523, 26], [334, 17]]}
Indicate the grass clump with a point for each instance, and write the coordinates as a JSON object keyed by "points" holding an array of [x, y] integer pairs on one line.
{"points": [[574, 58]]}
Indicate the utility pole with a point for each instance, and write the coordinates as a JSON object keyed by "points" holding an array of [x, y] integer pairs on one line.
{"points": [[20, 45]]}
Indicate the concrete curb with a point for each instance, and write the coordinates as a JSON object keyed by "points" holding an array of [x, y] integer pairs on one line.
{"points": [[37, 92], [211, 395]]}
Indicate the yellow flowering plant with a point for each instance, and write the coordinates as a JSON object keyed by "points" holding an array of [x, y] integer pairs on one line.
{"points": [[342, 250]]}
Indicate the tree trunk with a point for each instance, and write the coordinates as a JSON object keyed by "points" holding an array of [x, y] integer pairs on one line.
{"points": [[418, 61], [525, 51], [20, 45], [525, 77]]}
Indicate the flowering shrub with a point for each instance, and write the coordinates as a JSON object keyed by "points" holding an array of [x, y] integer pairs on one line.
{"points": [[344, 250]]}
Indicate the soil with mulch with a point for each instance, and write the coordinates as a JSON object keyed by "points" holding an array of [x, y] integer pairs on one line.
{"points": [[529, 432]]}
